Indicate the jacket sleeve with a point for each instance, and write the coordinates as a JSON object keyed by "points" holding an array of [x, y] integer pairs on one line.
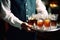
{"points": [[8, 16], [40, 7]]}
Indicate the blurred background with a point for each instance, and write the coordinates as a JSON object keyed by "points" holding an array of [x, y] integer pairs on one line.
{"points": [[53, 7]]}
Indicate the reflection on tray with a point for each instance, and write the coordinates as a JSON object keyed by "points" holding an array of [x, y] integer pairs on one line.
{"points": [[47, 29]]}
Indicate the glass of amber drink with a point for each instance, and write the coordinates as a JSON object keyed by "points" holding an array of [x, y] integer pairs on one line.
{"points": [[40, 23], [53, 24], [32, 21], [47, 24], [54, 21]]}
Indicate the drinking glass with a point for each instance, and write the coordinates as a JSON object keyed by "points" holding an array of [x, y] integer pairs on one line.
{"points": [[54, 21]]}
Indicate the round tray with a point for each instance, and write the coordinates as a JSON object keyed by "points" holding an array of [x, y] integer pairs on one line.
{"points": [[49, 30]]}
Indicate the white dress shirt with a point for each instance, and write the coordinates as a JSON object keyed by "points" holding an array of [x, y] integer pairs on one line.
{"points": [[9, 17], [41, 9]]}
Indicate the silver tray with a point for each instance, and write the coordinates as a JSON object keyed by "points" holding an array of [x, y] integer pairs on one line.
{"points": [[49, 30]]}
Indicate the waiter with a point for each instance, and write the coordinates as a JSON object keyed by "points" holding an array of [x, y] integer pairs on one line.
{"points": [[16, 12]]}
